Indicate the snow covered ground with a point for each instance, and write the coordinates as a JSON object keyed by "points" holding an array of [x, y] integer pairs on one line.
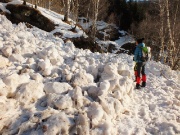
{"points": [[50, 87], [125, 37]]}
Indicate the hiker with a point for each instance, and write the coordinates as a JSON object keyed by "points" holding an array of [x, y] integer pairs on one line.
{"points": [[140, 64]]}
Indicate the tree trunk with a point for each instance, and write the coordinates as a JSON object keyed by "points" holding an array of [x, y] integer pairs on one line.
{"points": [[24, 2], [161, 31], [95, 15], [49, 4], [44, 3], [36, 4], [171, 42], [76, 10], [67, 10]]}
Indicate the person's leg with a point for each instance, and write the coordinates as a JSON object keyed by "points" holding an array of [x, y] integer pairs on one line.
{"points": [[143, 76], [138, 80], [135, 71]]}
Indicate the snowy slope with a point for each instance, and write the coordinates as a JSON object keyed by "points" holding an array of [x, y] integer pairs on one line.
{"points": [[102, 27], [65, 28], [50, 87], [61, 27]]}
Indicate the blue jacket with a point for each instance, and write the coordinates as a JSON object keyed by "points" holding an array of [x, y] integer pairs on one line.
{"points": [[138, 52]]}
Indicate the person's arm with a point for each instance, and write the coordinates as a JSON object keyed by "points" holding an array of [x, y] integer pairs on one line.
{"points": [[135, 54]]}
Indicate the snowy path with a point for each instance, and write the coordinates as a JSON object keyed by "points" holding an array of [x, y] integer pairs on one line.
{"points": [[155, 109]]}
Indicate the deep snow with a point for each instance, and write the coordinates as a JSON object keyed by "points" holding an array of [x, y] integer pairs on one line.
{"points": [[50, 87]]}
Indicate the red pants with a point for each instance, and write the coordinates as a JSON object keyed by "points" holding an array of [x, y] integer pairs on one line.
{"points": [[139, 70]]}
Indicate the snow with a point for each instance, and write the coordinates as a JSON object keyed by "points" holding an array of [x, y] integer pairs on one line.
{"points": [[62, 27], [118, 43], [125, 38], [3, 8], [56, 87], [50, 87]]}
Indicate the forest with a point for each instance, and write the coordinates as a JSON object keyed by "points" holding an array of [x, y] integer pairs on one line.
{"points": [[155, 20]]}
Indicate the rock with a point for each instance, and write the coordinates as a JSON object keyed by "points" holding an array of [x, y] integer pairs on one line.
{"points": [[128, 47], [38, 21], [111, 48]]}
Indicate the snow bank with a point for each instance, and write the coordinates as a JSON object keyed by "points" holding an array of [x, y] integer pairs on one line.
{"points": [[58, 77]]}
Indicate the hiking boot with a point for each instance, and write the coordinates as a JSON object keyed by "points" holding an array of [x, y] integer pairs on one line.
{"points": [[143, 84], [138, 86]]}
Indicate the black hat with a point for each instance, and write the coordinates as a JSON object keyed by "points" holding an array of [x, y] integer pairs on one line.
{"points": [[140, 40]]}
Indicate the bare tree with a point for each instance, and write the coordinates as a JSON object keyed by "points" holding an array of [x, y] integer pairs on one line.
{"points": [[67, 10], [24, 2], [161, 30], [75, 10], [174, 7], [171, 42], [95, 15]]}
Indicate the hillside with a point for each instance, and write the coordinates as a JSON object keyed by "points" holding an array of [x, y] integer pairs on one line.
{"points": [[48, 86], [108, 37]]}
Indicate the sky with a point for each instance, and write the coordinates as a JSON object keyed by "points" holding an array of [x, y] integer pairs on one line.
{"points": [[47, 86]]}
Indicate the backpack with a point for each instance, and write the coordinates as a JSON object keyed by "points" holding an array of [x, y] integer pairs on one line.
{"points": [[145, 52]]}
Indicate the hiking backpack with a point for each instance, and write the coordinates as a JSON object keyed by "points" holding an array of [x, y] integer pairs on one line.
{"points": [[145, 52]]}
